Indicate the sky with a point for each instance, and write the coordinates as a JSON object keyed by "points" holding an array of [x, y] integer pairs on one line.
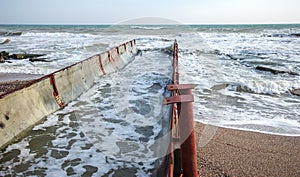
{"points": [[118, 11]]}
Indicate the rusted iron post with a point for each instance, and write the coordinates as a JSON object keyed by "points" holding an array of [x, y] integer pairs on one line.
{"points": [[186, 121], [184, 101], [187, 137], [183, 143]]}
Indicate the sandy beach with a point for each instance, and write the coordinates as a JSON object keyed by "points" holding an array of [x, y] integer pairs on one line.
{"points": [[242, 153]]}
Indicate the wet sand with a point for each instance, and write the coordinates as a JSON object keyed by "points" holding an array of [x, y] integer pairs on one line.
{"points": [[12, 81], [7, 77], [242, 153]]}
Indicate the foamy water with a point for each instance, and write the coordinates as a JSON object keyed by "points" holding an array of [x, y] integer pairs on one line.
{"points": [[113, 128]]}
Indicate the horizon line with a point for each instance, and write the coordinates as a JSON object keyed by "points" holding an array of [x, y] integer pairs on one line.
{"points": [[171, 24]]}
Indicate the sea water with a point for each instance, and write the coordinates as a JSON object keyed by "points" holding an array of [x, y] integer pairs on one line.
{"points": [[113, 128]]}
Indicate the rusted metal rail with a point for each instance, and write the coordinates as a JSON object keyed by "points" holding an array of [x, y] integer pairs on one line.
{"points": [[182, 158]]}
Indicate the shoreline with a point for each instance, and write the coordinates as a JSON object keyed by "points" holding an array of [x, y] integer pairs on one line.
{"points": [[233, 152], [254, 129]]}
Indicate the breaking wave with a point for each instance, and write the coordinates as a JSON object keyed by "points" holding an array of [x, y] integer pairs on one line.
{"points": [[147, 27], [8, 33], [260, 87]]}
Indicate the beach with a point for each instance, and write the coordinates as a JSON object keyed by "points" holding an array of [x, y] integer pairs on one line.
{"points": [[242, 153], [243, 77]]}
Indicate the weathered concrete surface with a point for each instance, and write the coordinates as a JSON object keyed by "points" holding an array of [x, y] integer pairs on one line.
{"points": [[21, 109]]}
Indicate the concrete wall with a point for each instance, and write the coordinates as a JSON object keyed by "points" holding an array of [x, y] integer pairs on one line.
{"points": [[22, 109]]}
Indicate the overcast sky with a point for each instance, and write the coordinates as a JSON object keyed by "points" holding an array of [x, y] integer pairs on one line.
{"points": [[116, 11]]}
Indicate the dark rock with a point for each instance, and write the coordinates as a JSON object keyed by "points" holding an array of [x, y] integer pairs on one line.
{"points": [[233, 87], [278, 35], [296, 34], [24, 56], [275, 71], [8, 33], [220, 86], [32, 57], [5, 41], [243, 88], [4, 56], [236, 57], [38, 59], [168, 50], [295, 91], [155, 88]]}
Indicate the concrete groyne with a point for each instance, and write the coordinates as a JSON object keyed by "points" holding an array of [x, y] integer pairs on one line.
{"points": [[23, 108]]}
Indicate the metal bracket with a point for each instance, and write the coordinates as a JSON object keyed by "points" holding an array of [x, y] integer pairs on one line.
{"points": [[172, 87], [179, 99]]}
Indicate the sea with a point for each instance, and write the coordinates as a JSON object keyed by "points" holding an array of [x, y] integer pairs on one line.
{"points": [[245, 78]]}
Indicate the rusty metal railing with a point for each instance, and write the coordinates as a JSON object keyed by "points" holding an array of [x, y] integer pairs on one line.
{"points": [[182, 158]]}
